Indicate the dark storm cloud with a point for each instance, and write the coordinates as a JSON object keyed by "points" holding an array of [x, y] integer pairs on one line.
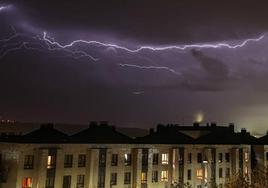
{"points": [[153, 21]]}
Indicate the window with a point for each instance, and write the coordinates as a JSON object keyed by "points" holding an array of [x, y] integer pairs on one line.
{"points": [[145, 159], [50, 182], [127, 178], [246, 156], [66, 182], [164, 175], [114, 160], [189, 174], [164, 158], [199, 157], [143, 177], [266, 156], [199, 186], [81, 160], [28, 162], [189, 158], [80, 181], [113, 180], [155, 158], [227, 173], [127, 159], [220, 158], [199, 173], [51, 161], [27, 182], [220, 172], [155, 176], [68, 161], [246, 171], [227, 157]]}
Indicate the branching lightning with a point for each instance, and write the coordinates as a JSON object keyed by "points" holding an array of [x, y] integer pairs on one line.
{"points": [[150, 67]]}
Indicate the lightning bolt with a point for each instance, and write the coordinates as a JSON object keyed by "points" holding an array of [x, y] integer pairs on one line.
{"points": [[176, 47], [150, 67]]}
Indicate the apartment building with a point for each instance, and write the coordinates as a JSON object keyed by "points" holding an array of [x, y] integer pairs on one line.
{"points": [[101, 157]]}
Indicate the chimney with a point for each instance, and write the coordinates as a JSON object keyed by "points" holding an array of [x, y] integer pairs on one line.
{"points": [[47, 126], [196, 124], [93, 124], [231, 127], [243, 131]]}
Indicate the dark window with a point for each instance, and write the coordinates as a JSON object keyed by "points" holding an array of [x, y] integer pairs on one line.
{"points": [[155, 176], [28, 162], [114, 160], [102, 159], [199, 157], [189, 159], [227, 157], [220, 158], [145, 153], [68, 161], [127, 159], [101, 180], [220, 172], [50, 182], [113, 179], [80, 181], [189, 174], [81, 160], [227, 173], [127, 178], [266, 156], [66, 182], [155, 158]]}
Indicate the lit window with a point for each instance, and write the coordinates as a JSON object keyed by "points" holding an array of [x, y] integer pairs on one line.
{"points": [[246, 171], [164, 158], [164, 175], [51, 161], [143, 177], [246, 156], [199, 174], [127, 159], [27, 182]]}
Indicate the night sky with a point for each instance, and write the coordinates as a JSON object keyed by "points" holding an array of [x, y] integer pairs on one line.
{"points": [[138, 63]]}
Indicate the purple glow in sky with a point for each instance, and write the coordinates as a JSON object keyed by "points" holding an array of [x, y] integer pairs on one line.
{"points": [[134, 69]]}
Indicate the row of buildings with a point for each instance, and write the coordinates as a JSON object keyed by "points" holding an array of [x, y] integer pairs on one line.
{"points": [[101, 157]]}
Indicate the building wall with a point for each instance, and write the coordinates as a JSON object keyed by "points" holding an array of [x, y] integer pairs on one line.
{"points": [[13, 156]]}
